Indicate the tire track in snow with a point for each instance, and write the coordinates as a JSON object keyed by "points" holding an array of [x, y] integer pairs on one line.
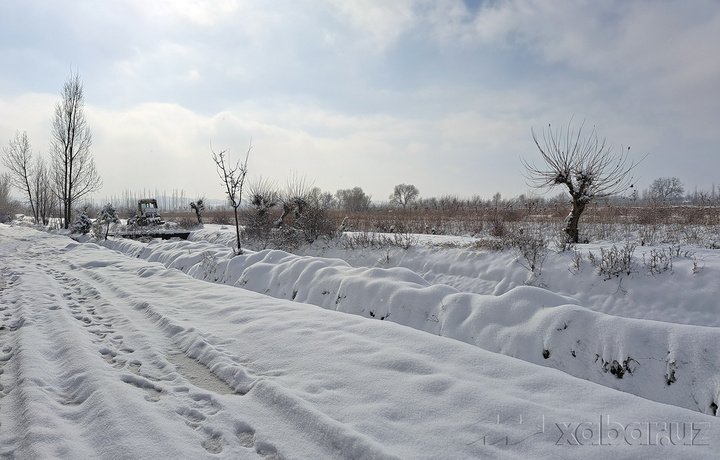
{"points": [[59, 385], [10, 322], [292, 412], [114, 318]]}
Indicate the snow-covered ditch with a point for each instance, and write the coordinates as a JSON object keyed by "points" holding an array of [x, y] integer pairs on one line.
{"points": [[665, 362]]}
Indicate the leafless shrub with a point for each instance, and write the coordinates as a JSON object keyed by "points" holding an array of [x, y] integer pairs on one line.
{"points": [[562, 242], [316, 222], [614, 262], [220, 216], [497, 228], [577, 261], [285, 238], [186, 221], [658, 260], [647, 234], [697, 265], [489, 244], [531, 247], [209, 266], [692, 234], [373, 240]]}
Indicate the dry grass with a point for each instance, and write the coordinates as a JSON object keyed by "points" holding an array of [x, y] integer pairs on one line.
{"points": [[649, 225]]}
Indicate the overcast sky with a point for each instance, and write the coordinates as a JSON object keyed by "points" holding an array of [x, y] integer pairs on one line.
{"points": [[371, 93]]}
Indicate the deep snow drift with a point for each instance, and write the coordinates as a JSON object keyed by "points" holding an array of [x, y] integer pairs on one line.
{"points": [[670, 363], [105, 355]]}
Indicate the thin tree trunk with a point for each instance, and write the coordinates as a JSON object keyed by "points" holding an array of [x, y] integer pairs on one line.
{"points": [[237, 230]]}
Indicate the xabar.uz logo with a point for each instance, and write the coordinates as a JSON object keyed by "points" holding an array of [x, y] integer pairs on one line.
{"points": [[609, 433]]}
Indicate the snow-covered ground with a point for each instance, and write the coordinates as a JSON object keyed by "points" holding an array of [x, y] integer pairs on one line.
{"points": [[121, 354]]}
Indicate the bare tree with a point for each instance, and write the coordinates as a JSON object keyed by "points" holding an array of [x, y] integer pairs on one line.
{"points": [[7, 205], [581, 162], [403, 194], [44, 198], [353, 199], [320, 199], [665, 189], [233, 179], [17, 157], [73, 168]]}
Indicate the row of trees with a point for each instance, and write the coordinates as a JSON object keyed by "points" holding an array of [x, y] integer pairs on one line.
{"points": [[127, 200], [580, 162], [69, 173], [7, 205]]}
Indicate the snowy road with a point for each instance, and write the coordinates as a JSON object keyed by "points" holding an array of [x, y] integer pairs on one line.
{"points": [[106, 356]]}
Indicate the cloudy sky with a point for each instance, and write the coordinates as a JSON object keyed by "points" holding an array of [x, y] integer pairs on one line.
{"points": [[441, 94]]}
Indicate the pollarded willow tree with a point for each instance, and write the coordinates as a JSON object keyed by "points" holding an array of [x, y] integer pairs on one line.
{"points": [[587, 166]]}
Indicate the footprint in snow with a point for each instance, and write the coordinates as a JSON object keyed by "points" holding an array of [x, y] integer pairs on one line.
{"points": [[134, 366], [153, 392], [213, 444], [267, 451], [245, 434]]}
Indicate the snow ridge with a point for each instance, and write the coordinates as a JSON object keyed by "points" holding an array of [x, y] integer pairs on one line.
{"points": [[650, 359]]}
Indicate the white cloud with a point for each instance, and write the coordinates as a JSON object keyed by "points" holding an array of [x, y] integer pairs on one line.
{"points": [[381, 22], [201, 12], [435, 92]]}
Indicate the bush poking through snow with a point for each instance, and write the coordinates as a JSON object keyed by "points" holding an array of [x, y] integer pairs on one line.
{"points": [[614, 262], [209, 266], [531, 247], [670, 377], [372, 240], [629, 365], [498, 228], [106, 216], [577, 262], [659, 261], [82, 223]]}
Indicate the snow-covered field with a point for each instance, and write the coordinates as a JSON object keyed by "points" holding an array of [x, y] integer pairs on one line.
{"points": [[178, 349]]}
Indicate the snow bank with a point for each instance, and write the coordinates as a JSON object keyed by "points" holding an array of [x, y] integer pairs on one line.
{"points": [[669, 363], [97, 361], [686, 293]]}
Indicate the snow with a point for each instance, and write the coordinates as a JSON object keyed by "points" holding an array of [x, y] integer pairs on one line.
{"points": [[664, 362], [122, 354]]}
